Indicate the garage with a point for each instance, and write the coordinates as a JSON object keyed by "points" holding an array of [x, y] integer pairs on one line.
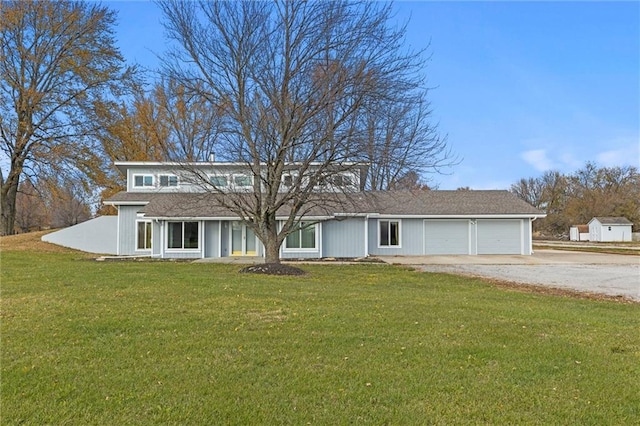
{"points": [[446, 236], [499, 236]]}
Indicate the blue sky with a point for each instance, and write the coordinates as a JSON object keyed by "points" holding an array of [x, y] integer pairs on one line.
{"points": [[519, 87]]}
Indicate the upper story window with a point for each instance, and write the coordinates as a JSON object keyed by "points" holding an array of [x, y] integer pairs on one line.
{"points": [[342, 180], [168, 180], [242, 181], [218, 181], [287, 180], [336, 181], [140, 181]]}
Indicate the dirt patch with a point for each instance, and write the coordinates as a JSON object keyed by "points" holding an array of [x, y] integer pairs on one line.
{"points": [[554, 291], [273, 269], [31, 241]]}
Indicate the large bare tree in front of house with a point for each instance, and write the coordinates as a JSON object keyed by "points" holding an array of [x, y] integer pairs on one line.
{"points": [[55, 58], [292, 81]]}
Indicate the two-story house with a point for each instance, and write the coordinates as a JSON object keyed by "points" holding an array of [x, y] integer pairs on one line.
{"points": [[165, 212]]}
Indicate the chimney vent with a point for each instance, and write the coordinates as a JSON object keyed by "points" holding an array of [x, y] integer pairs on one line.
{"points": [[212, 157]]}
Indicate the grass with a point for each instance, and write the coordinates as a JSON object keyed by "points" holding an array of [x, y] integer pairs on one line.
{"points": [[94, 343]]}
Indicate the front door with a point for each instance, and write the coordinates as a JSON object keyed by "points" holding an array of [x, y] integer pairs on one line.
{"points": [[243, 240]]}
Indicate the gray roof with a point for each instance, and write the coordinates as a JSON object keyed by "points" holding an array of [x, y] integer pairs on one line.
{"points": [[400, 203], [614, 220]]}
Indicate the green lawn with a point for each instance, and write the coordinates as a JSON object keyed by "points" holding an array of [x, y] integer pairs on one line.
{"points": [[97, 343]]}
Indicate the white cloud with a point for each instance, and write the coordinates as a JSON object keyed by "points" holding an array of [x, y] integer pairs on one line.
{"points": [[623, 156], [538, 159]]}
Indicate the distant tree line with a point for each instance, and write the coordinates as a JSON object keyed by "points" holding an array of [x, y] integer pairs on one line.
{"points": [[575, 198]]}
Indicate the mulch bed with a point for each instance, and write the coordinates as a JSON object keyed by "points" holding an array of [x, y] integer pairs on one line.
{"points": [[273, 269]]}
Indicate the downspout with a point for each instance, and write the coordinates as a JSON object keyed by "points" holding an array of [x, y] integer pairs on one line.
{"points": [[366, 235], [219, 238], [162, 240], [118, 232], [159, 248], [203, 245], [533, 219]]}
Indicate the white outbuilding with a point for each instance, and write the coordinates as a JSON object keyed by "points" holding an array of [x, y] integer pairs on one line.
{"points": [[606, 229], [579, 233]]}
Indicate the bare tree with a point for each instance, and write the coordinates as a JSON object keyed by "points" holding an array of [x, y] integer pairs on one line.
{"points": [[398, 138], [291, 81], [576, 198], [31, 211], [55, 57], [68, 203], [193, 124]]}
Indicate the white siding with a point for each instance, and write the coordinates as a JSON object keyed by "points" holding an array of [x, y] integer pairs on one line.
{"points": [[608, 233], [97, 235]]}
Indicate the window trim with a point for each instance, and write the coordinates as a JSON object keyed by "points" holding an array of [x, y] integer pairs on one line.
{"points": [[168, 176], [146, 222], [315, 249], [182, 249], [390, 246], [144, 175]]}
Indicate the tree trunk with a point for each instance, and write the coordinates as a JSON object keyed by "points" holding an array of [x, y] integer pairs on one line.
{"points": [[271, 242], [8, 195]]}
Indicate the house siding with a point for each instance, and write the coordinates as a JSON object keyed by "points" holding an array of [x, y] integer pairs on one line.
{"points": [[127, 216], [410, 238], [343, 238], [211, 238]]}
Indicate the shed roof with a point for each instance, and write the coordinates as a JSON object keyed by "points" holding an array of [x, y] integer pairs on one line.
{"points": [[582, 228], [400, 203], [613, 220]]}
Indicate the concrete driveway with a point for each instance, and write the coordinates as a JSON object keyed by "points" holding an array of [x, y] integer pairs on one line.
{"points": [[610, 274]]}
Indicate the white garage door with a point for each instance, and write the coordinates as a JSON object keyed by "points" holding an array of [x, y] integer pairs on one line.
{"points": [[446, 237], [499, 236]]}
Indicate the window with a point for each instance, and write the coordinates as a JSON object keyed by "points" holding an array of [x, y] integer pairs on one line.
{"points": [[341, 180], [338, 181], [242, 180], [142, 180], [168, 180], [182, 235], [287, 180], [389, 232], [143, 237], [218, 181], [303, 238]]}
